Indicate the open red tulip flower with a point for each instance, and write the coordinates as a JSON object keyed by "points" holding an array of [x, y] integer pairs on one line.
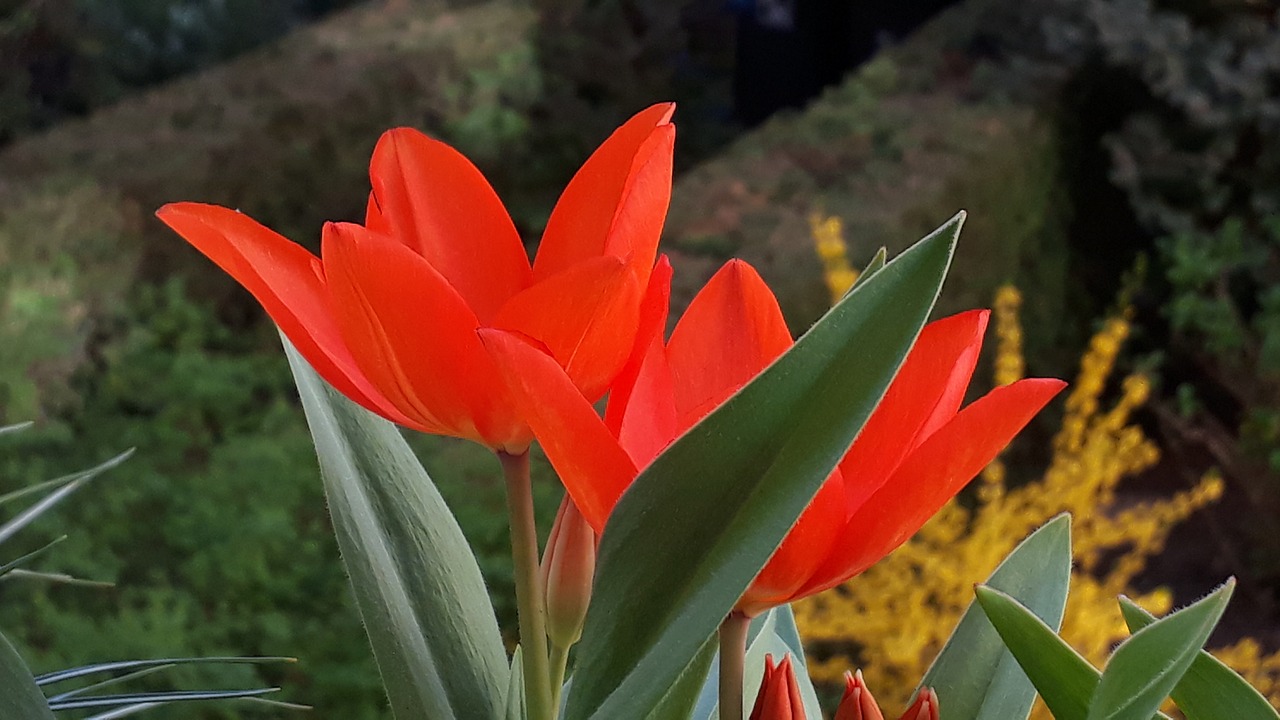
{"points": [[916, 451], [389, 311]]}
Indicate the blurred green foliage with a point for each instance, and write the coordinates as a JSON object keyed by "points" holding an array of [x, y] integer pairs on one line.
{"points": [[215, 533], [66, 57], [1197, 152]]}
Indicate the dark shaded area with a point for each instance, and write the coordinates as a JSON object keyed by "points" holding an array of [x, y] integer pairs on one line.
{"points": [[1106, 237], [789, 51], [63, 58]]}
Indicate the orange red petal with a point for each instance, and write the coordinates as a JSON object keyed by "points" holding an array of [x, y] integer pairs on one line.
{"points": [[731, 331], [287, 280], [927, 389], [779, 697], [431, 364], [811, 539], [593, 467], [585, 316], [434, 200], [617, 202], [942, 465], [857, 702]]}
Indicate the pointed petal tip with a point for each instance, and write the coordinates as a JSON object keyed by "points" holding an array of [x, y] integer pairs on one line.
{"points": [[169, 209]]}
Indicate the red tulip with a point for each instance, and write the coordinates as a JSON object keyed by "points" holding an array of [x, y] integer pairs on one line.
{"points": [[779, 697], [857, 702], [917, 450], [388, 314], [924, 708]]}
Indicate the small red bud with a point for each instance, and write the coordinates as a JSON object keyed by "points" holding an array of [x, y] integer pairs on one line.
{"points": [[857, 703], [779, 697], [568, 569], [924, 708]]}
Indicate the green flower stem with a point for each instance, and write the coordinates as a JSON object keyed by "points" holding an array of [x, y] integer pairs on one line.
{"points": [[559, 661], [733, 653], [529, 603]]}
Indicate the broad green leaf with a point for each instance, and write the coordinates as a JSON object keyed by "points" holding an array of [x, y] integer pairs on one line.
{"points": [[686, 693], [694, 529], [20, 698], [1209, 690], [1063, 678], [1145, 668], [977, 675], [417, 585]]}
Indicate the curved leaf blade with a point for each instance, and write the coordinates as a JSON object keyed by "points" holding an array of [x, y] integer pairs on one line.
{"points": [[1145, 668], [975, 672], [1063, 678], [687, 693], [1209, 690], [417, 584], [20, 697], [695, 528]]}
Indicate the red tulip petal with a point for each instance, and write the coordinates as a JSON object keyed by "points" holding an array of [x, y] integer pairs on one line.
{"points": [[586, 316], [779, 696], [732, 330], [857, 702], [593, 467], [286, 279], [801, 552], [617, 202], [641, 412], [413, 333], [649, 422], [942, 465], [374, 219], [437, 202], [924, 395]]}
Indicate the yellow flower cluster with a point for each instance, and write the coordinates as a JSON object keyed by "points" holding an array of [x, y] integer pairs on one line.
{"points": [[892, 620], [1262, 671], [828, 239]]}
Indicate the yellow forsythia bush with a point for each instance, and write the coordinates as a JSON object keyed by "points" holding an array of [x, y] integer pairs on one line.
{"points": [[893, 619]]}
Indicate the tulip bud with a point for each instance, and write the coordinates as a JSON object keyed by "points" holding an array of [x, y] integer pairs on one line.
{"points": [[857, 703], [779, 697], [568, 568], [924, 708]]}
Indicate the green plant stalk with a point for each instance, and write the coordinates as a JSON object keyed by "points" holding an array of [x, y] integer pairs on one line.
{"points": [[559, 662], [733, 653], [529, 603]]}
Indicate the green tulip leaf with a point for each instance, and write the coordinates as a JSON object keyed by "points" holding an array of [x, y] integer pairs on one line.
{"points": [[1209, 690], [975, 672], [875, 265], [515, 708], [417, 584], [20, 697], [690, 534], [687, 692], [1064, 679], [1145, 668]]}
